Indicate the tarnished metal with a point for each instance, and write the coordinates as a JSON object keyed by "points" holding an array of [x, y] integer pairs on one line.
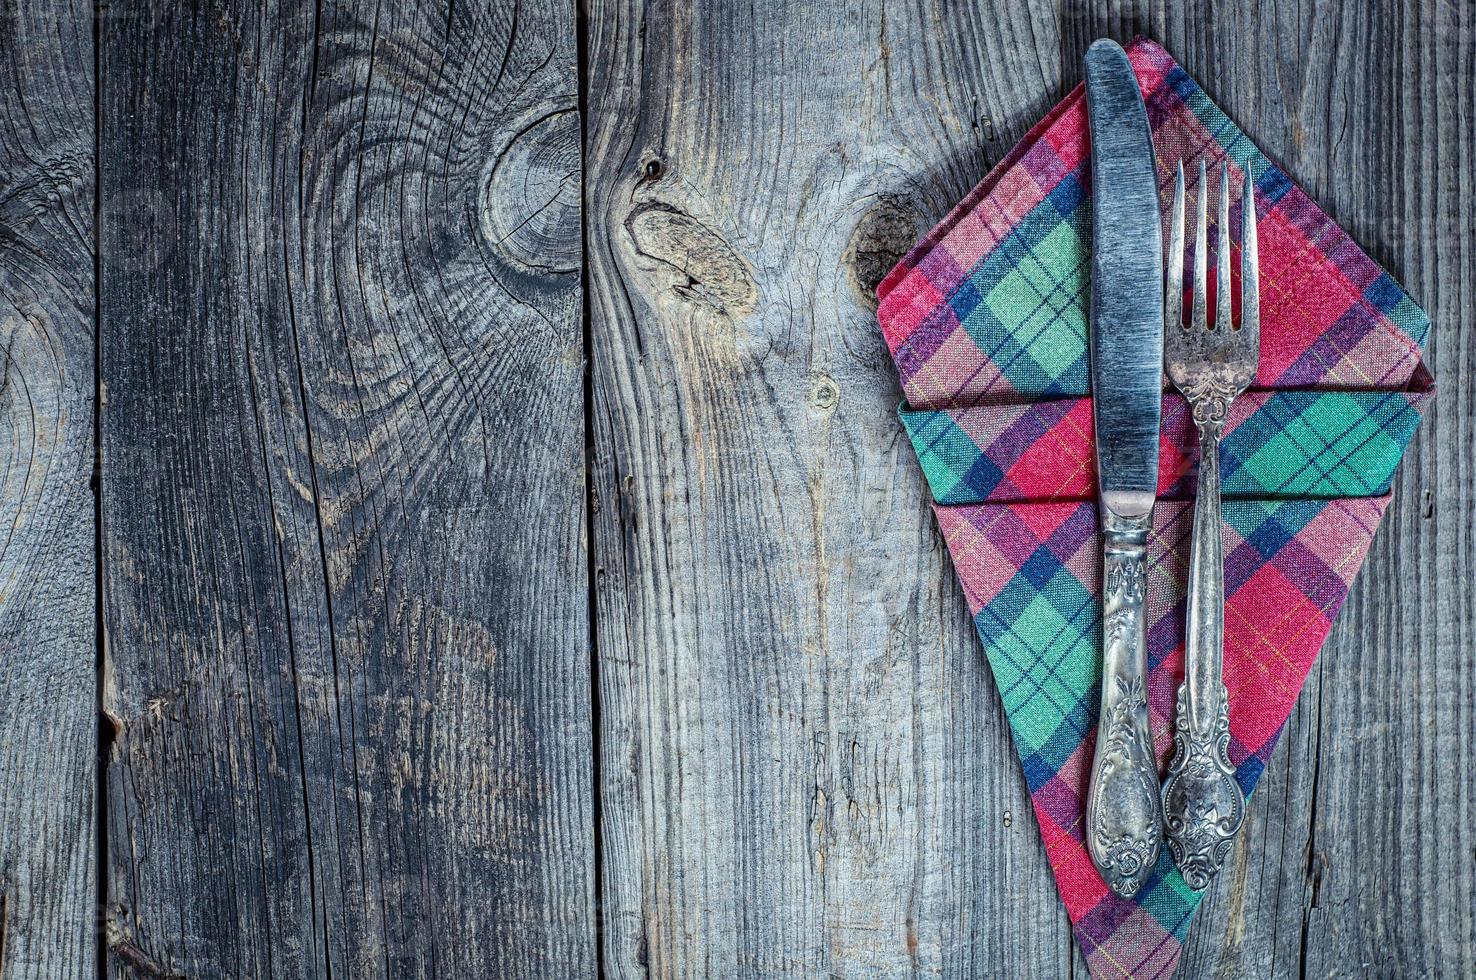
{"points": [[1124, 823], [1203, 804]]}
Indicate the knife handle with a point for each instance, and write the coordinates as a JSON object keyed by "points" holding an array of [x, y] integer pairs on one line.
{"points": [[1202, 801], [1124, 820]]}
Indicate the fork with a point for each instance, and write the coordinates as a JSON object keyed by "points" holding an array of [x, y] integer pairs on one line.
{"points": [[1210, 364]]}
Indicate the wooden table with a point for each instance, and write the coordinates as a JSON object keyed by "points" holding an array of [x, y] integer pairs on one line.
{"points": [[456, 523]]}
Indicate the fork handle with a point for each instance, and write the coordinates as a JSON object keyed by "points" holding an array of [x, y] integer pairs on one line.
{"points": [[1124, 823], [1202, 802]]}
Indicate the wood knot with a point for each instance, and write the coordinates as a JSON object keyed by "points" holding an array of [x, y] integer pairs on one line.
{"points": [[824, 394], [886, 232], [704, 269], [530, 197], [33, 193]]}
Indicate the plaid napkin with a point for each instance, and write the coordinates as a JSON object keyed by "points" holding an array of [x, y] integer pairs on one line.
{"points": [[987, 322]]}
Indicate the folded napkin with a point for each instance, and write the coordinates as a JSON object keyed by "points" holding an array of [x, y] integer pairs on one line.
{"points": [[987, 321]]}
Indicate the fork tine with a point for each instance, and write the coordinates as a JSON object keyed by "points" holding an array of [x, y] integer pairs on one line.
{"points": [[1201, 247], [1223, 311], [1173, 294], [1250, 269]]}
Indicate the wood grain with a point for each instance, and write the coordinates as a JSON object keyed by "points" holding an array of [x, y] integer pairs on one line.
{"points": [[343, 492], [1392, 855], [48, 631], [805, 771], [1360, 858], [349, 586], [768, 588]]}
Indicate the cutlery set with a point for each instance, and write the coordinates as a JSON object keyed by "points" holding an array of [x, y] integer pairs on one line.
{"points": [[1137, 334]]}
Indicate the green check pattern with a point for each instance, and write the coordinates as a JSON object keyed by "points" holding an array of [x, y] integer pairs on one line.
{"points": [[1280, 443]]}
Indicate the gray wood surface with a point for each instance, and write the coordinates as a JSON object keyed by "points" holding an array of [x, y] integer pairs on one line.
{"points": [[343, 493], [805, 770], [492, 587], [48, 596]]}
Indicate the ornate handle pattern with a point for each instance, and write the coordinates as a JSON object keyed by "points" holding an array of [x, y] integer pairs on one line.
{"points": [[1124, 822], [1202, 802]]}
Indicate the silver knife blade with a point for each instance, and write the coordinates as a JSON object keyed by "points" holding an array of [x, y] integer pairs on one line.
{"points": [[1127, 284], [1124, 829]]}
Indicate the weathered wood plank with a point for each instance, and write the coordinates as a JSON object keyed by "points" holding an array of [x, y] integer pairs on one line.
{"points": [[1360, 860], [1251, 922], [343, 492], [769, 589], [48, 597], [805, 770], [1392, 859]]}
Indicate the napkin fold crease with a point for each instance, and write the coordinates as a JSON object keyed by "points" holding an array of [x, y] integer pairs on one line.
{"points": [[987, 322]]}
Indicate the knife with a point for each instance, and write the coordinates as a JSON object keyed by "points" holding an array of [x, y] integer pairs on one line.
{"points": [[1124, 816]]}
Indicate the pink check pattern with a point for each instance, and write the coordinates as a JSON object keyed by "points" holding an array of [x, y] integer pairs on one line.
{"points": [[986, 320]]}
